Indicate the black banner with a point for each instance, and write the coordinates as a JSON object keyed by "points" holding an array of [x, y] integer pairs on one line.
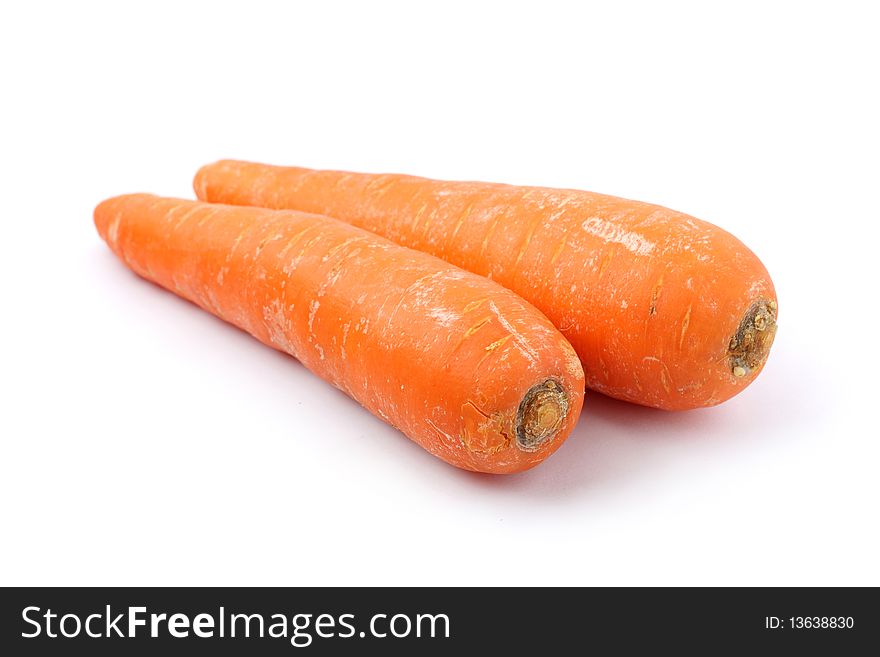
{"points": [[333, 621]]}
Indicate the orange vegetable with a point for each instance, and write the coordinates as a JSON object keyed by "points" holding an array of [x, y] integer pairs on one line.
{"points": [[462, 366], [663, 309]]}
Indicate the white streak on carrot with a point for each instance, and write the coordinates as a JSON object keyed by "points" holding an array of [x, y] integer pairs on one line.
{"points": [[612, 233], [517, 336], [113, 230]]}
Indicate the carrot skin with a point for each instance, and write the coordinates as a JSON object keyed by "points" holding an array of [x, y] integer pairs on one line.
{"points": [[663, 309], [462, 366]]}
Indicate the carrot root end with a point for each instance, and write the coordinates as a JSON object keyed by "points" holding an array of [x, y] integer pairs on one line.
{"points": [[750, 345], [541, 414]]}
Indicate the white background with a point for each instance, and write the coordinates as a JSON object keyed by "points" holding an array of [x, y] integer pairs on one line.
{"points": [[146, 442]]}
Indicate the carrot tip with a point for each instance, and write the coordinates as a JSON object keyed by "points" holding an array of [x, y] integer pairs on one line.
{"points": [[540, 415], [750, 345]]}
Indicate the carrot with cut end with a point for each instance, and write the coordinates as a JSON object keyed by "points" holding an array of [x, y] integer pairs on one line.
{"points": [[663, 309], [462, 366]]}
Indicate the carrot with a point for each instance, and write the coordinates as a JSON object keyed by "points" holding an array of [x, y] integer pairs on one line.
{"points": [[663, 309], [462, 366]]}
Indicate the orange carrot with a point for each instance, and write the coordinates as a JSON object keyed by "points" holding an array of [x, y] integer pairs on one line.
{"points": [[462, 366], [663, 309]]}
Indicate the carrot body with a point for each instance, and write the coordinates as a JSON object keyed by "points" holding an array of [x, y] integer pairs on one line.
{"points": [[461, 365], [663, 309]]}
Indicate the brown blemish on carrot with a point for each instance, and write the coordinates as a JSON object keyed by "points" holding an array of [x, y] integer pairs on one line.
{"points": [[750, 345], [540, 415], [489, 436], [498, 343], [654, 296], [478, 409], [473, 305], [476, 327], [490, 349]]}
